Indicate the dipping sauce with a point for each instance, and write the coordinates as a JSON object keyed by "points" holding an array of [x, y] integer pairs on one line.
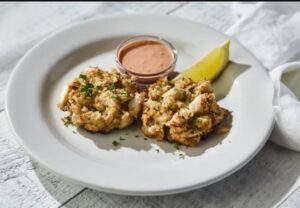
{"points": [[146, 57]]}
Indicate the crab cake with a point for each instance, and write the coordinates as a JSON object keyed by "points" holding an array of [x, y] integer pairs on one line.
{"points": [[181, 112], [101, 101]]}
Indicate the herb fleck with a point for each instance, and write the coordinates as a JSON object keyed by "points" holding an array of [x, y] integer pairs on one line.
{"points": [[122, 139], [82, 76], [176, 146], [157, 150], [145, 138], [115, 143], [87, 89], [111, 87], [113, 97], [123, 93], [181, 156], [67, 121], [74, 132], [137, 136]]}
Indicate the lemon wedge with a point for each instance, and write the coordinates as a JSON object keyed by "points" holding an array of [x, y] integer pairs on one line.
{"points": [[210, 66]]}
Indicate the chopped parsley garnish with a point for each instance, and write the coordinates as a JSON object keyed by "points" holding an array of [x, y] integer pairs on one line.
{"points": [[111, 87], [157, 88], [176, 146], [123, 93], [115, 143], [87, 89], [67, 121], [181, 156], [82, 76], [122, 139], [113, 97], [137, 136]]}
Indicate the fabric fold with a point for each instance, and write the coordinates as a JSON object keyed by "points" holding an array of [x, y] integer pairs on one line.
{"points": [[271, 32]]}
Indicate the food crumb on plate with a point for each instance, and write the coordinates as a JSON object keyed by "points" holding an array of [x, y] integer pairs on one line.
{"points": [[176, 146], [67, 121], [116, 143], [181, 156], [122, 139]]}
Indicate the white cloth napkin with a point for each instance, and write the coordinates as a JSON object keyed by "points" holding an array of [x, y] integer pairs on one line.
{"points": [[271, 31]]}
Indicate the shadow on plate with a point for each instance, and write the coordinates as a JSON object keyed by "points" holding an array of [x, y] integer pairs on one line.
{"points": [[133, 138], [223, 84]]}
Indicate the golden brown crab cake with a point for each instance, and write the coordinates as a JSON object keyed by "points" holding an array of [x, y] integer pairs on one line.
{"points": [[101, 101], [181, 112]]}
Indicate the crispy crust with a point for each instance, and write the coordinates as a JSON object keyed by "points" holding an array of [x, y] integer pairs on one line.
{"points": [[182, 112], [101, 101]]}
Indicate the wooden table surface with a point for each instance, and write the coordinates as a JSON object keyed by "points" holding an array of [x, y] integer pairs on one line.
{"points": [[271, 179]]}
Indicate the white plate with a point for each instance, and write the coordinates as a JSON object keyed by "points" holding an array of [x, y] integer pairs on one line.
{"points": [[135, 167]]}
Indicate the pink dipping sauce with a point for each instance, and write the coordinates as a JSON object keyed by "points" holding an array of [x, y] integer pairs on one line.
{"points": [[146, 57]]}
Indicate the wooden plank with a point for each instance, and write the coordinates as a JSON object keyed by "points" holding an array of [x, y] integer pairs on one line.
{"points": [[24, 183], [218, 15], [261, 183], [18, 33], [292, 200]]}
